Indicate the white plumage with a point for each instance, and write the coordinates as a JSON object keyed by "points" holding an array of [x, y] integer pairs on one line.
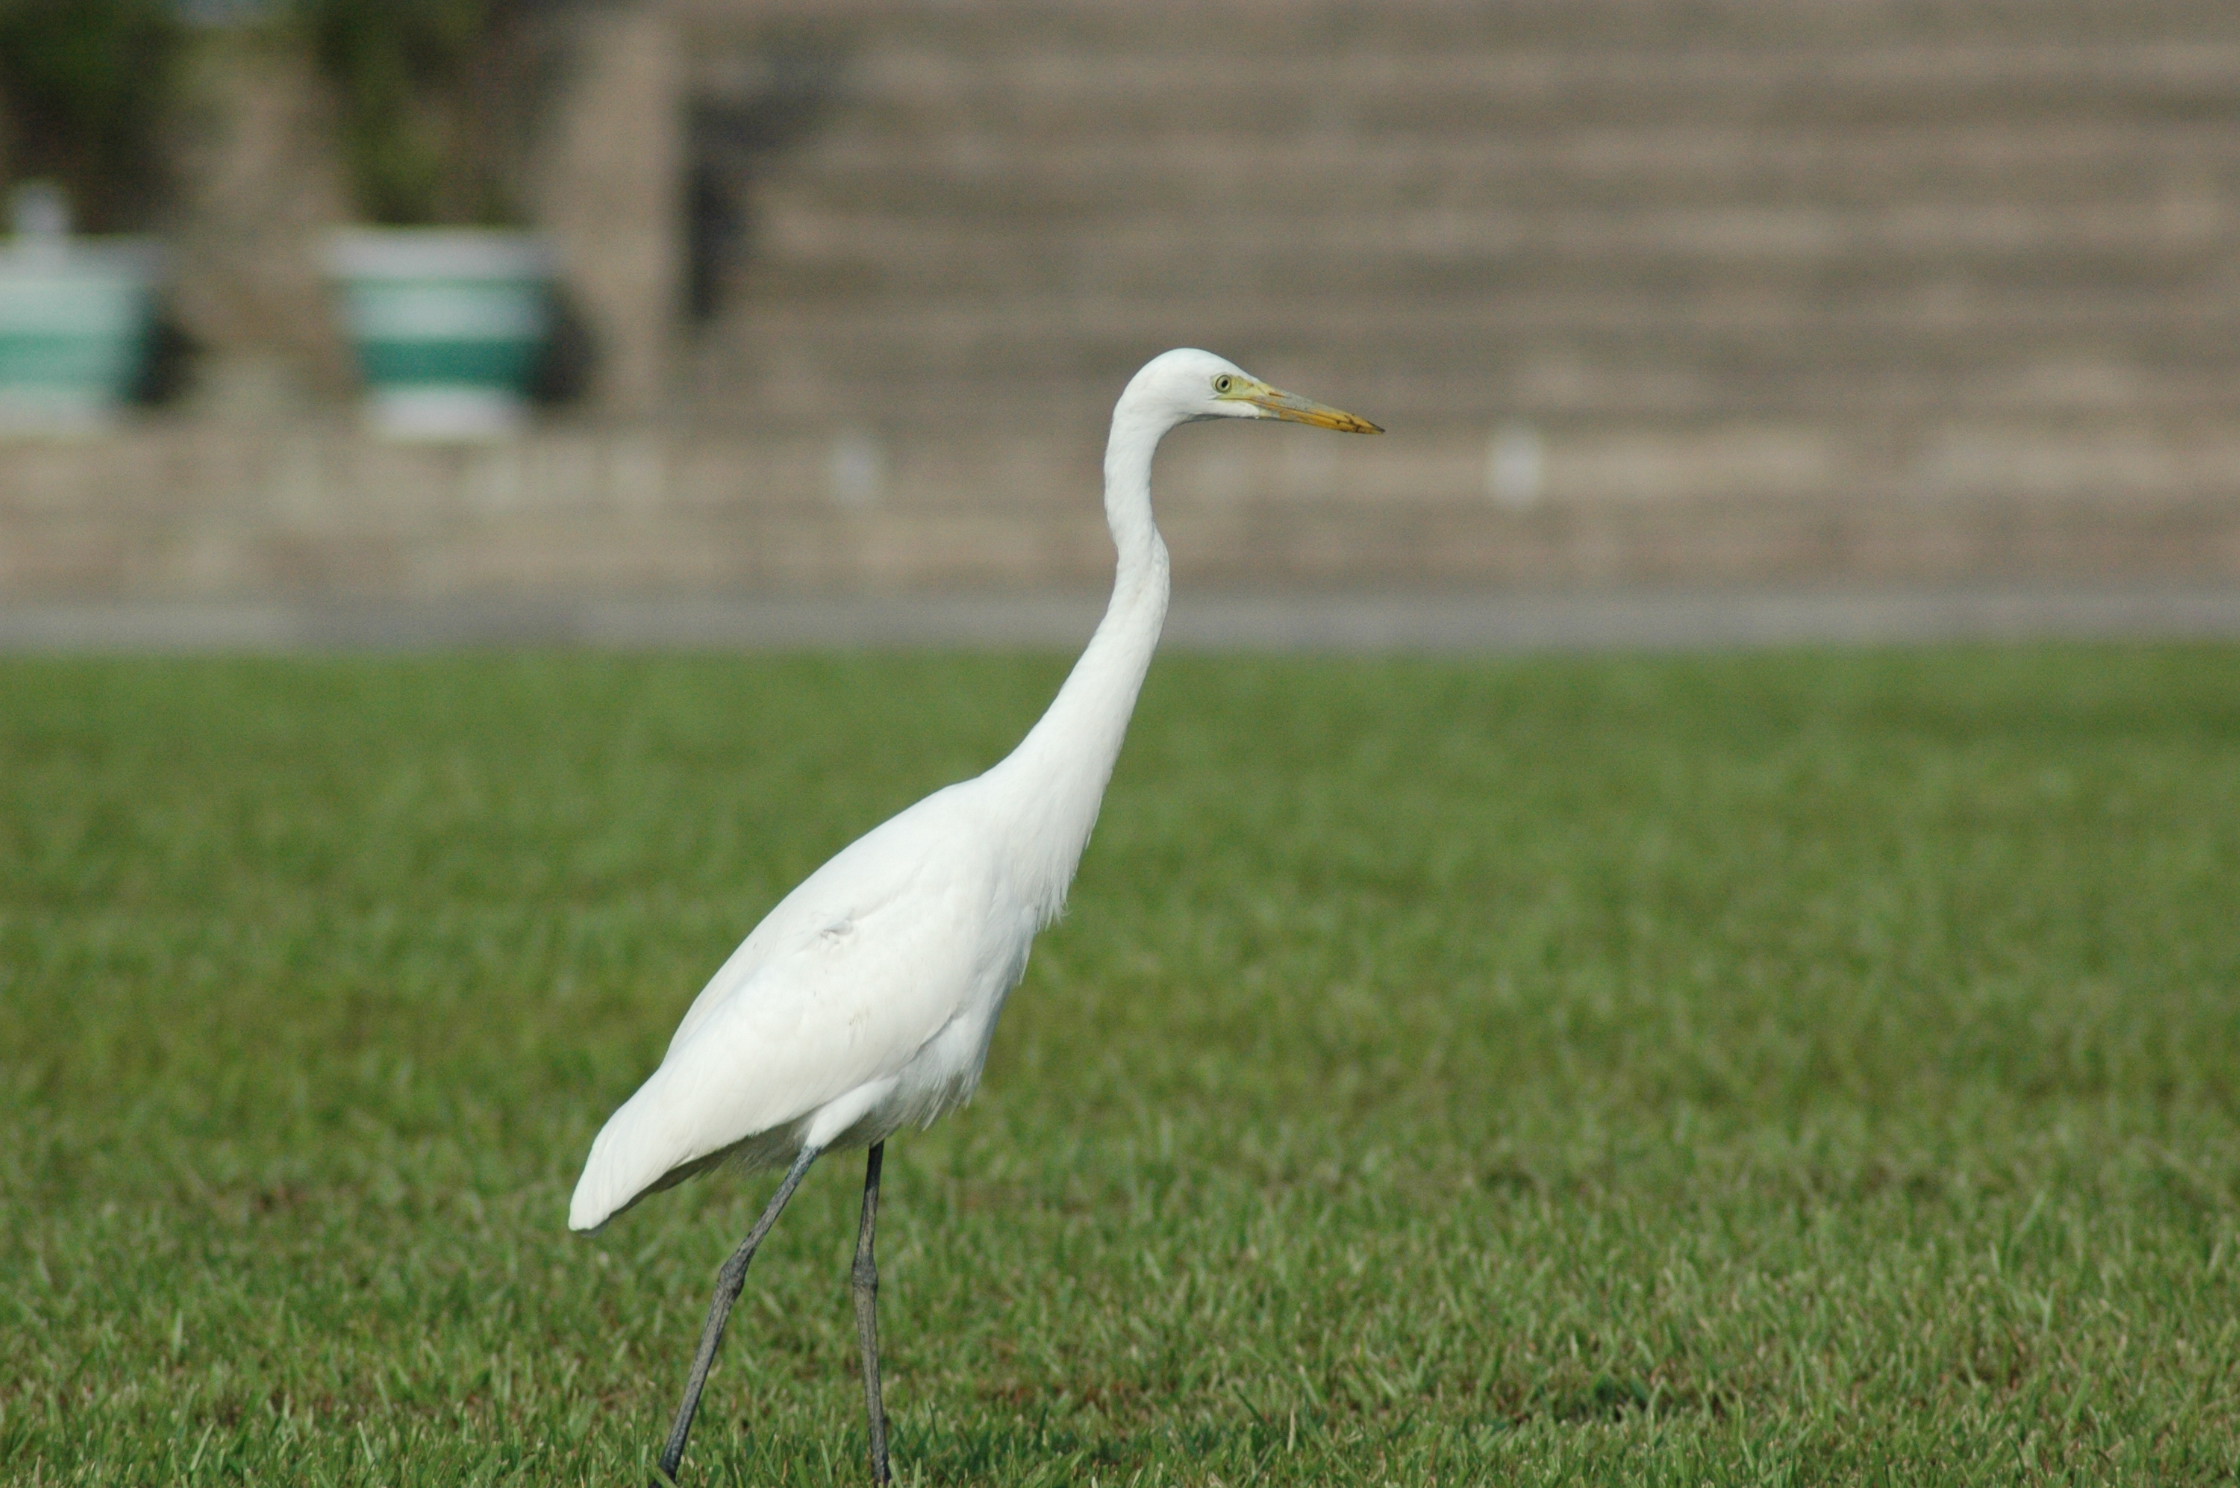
{"points": [[862, 1004], [865, 1001]]}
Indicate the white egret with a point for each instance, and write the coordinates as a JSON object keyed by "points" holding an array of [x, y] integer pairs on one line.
{"points": [[864, 1002]]}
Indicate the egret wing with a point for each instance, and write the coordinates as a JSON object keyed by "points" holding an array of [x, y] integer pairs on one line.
{"points": [[815, 1014], [885, 865]]}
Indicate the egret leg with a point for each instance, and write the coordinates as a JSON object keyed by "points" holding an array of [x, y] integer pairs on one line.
{"points": [[729, 1281], [867, 1314]]}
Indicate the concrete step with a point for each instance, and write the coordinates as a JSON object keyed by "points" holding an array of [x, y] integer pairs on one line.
{"points": [[1607, 217], [1992, 316], [1553, 389], [1345, 249], [1178, 96], [1371, 620], [988, 175], [164, 513], [973, 363], [1606, 399], [1275, 27]]}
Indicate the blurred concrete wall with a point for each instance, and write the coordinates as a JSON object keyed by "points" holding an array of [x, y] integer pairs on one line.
{"points": [[1746, 246], [609, 187], [1673, 291], [258, 190]]}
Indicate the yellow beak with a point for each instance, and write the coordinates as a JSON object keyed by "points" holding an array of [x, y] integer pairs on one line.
{"points": [[1300, 410]]}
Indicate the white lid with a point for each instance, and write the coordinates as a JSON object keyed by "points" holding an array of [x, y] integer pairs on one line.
{"points": [[94, 258], [437, 253]]}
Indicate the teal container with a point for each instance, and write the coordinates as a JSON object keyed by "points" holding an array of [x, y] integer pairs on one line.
{"points": [[448, 325], [76, 316]]}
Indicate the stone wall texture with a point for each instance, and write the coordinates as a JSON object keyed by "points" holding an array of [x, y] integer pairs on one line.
{"points": [[1646, 291]]}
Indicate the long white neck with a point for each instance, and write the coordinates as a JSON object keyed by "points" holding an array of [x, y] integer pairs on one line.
{"points": [[1054, 781]]}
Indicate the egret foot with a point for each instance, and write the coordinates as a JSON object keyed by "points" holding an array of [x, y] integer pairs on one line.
{"points": [[867, 1315], [729, 1282]]}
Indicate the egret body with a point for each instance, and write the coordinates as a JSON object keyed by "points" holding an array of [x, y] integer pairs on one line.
{"points": [[865, 1001]]}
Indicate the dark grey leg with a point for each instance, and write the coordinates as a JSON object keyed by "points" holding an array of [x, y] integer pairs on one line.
{"points": [[729, 1281], [867, 1315]]}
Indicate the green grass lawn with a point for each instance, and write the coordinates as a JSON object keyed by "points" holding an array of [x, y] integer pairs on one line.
{"points": [[1805, 1068]]}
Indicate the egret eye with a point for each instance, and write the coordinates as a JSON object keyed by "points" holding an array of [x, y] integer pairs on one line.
{"points": [[1223, 383]]}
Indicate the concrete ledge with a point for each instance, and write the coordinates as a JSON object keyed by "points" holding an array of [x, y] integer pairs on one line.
{"points": [[175, 513], [1356, 622]]}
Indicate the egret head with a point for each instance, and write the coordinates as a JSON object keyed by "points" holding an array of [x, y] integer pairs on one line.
{"points": [[1187, 385]]}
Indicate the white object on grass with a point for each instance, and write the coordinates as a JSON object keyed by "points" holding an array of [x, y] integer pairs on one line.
{"points": [[865, 1001]]}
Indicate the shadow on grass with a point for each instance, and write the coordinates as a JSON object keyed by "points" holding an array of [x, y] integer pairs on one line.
{"points": [[1609, 1398]]}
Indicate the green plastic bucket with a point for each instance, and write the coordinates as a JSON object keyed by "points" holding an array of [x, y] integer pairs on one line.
{"points": [[75, 315], [448, 325]]}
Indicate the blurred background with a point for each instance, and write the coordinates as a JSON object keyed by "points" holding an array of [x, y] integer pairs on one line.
{"points": [[326, 318]]}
